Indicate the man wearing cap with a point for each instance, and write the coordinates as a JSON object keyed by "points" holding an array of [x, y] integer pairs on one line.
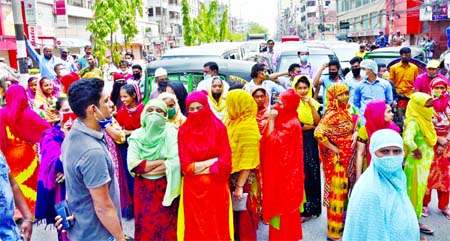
{"points": [[306, 67], [68, 60], [83, 61], [161, 81], [370, 88], [362, 51], [422, 82], [382, 40], [397, 39], [46, 61]]}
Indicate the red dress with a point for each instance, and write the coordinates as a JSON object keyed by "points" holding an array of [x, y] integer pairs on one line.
{"points": [[129, 119], [283, 178], [206, 197]]}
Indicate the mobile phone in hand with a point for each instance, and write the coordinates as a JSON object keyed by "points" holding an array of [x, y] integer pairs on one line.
{"points": [[62, 209]]}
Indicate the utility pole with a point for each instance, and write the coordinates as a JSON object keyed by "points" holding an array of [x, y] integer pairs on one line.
{"points": [[20, 40], [321, 18], [391, 34]]}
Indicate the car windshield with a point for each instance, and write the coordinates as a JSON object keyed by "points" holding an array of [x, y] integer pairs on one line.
{"points": [[344, 54], [188, 57], [316, 60]]}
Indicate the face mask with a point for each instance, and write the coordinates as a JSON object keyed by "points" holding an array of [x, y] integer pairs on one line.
{"points": [[436, 93], [431, 76], [405, 61], [356, 72], [129, 61], [269, 49], [105, 122], [388, 164], [343, 99], [137, 76], [64, 72], [304, 58], [333, 75], [206, 76], [154, 120], [363, 74], [162, 86], [216, 95], [171, 113]]}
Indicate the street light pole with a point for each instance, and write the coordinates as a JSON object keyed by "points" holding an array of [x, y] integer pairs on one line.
{"points": [[20, 40]]}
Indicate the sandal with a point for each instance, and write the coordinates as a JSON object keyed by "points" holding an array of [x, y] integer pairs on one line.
{"points": [[306, 219], [425, 211], [333, 239], [426, 230], [446, 213]]}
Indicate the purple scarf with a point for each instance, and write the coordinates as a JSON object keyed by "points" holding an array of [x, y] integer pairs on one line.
{"points": [[49, 192]]}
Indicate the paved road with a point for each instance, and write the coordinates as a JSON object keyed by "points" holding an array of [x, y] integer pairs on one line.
{"points": [[312, 230]]}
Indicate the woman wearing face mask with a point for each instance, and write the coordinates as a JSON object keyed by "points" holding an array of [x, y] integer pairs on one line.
{"points": [[32, 89], [439, 178], [45, 100], [153, 161], [378, 116], [216, 99], [419, 137], [178, 89], [51, 188], [20, 129], [174, 114], [205, 156], [283, 182], [244, 137], [309, 118], [336, 134], [379, 208]]}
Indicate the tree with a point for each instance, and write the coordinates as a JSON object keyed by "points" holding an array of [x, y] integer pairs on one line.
{"points": [[223, 32], [108, 16], [187, 24], [257, 28]]}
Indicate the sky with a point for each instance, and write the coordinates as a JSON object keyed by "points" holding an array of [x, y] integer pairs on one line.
{"points": [[263, 12]]}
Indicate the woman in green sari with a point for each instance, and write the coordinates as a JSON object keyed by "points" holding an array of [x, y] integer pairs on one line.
{"points": [[419, 137]]}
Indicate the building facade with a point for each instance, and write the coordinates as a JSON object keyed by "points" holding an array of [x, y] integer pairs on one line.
{"points": [[435, 18]]}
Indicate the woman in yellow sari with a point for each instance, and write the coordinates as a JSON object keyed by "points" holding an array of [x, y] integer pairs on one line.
{"points": [[244, 137], [174, 114], [216, 99]]}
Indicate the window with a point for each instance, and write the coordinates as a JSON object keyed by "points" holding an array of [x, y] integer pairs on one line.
{"points": [[76, 3], [158, 11], [374, 20], [327, 3], [365, 2], [382, 19], [365, 22], [311, 15], [347, 5], [150, 12], [358, 23], [357, 3], [311, 3]]}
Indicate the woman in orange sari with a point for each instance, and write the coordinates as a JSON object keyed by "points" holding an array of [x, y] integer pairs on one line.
{"points": [[20, 129], [337, 137], [205, 157]]}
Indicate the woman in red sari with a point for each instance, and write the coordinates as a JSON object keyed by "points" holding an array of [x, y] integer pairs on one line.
{"points": [[205, 207], [439, 177], [20, 129], [262, 101], [337, 137], [283, 179]]}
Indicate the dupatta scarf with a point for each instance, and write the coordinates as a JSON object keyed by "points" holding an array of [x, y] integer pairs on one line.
{"points": [[242, 130], [262, 116], [416, 111], [374, 115]]}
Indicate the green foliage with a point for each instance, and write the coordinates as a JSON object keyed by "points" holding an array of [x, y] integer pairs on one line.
{"points": [[108, 16], [257, 28], [223, 32], [237, 37], [187, 23]]}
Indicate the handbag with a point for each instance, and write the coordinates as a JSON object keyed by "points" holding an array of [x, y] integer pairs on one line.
{"points": [[240, 205]]}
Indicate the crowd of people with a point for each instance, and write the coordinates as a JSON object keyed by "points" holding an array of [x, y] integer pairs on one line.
{"points": [[212, 164]]}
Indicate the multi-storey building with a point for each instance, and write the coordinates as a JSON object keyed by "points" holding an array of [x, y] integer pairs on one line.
{"points": [[318, 19]]}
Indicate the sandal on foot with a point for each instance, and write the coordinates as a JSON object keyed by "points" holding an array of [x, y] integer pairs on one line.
{"points": [[426, 230], [425, 211], [446, 213]]}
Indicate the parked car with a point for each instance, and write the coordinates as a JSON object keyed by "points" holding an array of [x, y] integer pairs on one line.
{"points": [[344, 52], [218, 51], [190, 73], [388, 54]]}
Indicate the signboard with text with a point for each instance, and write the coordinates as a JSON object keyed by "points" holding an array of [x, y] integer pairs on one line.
{"points": [[62, 20], [30, 12]]}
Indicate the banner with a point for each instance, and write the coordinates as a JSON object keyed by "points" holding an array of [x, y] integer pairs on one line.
{"points": [[30, 12], [62, 20]]}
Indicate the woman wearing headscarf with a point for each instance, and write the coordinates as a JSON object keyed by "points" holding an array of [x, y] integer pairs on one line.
{"points": [[205, 206], [119, 81], [244, 137], [378, 116], [45, 100], [51, 187], [283, 182], [217, 99], [32, 89], [419, 137], [174, 114], [336, 134], [261, 98], [309, 118], [379, 208], [20, 129], [153, 161], [439, 177], [178, 89]]}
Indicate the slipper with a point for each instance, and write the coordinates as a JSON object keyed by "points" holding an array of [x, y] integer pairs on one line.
{"points": [[305, 219], [422, 238], [426, 230], [333, 239], [446, 213], [425, 211]]}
